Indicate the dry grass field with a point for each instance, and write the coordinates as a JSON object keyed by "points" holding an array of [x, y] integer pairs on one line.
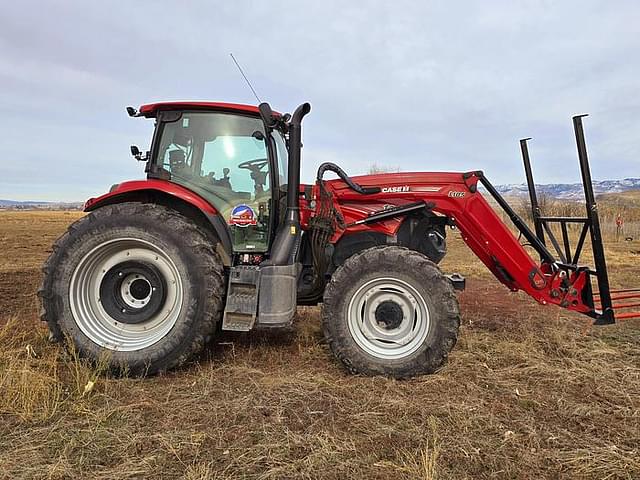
{"points": [[529, 392]]}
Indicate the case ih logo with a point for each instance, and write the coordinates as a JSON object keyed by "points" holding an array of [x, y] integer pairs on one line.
{"points": [[242, 216], [456, 194], [400, 189]]}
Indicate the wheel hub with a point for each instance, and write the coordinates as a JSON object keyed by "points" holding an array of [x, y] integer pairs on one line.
{"points": [[140, 289], [389, 315], [132, 292], [136, 290]]}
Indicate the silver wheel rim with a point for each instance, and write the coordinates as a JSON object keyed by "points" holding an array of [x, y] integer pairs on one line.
{"points": [[377, 338], [91, 317]]}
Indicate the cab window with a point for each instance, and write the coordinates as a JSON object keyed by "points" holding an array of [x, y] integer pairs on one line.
{"points": [[223, 158]]}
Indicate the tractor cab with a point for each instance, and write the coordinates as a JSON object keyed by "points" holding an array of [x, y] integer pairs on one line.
{"points": [[243, 161], [227, 156]]}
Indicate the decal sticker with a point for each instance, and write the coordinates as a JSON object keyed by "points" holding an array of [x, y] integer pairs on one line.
{"points": [[242, 216], [456, 194], [398, 189]]}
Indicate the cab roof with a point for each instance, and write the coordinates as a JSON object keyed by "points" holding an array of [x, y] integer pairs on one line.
{"points": [[151, 109]]}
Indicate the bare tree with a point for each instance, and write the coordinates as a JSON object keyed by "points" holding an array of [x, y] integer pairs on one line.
{"points": [[546, 202], [374, 168]]}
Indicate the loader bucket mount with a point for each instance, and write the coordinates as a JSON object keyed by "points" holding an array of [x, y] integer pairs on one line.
{"points": [[607, 305]]}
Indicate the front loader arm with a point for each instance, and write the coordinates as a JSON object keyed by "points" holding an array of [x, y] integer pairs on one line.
{"points": [[456, 196], [489, 238], [498, 248]]}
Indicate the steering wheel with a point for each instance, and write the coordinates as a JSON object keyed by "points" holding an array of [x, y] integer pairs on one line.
{"points": [[257, 175], [254, 165]]}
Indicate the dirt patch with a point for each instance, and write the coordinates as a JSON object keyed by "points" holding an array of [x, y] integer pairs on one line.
{"points": [[18, 292]]}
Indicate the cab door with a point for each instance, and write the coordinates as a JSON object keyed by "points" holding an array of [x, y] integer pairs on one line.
{"points": [[224, 158]]}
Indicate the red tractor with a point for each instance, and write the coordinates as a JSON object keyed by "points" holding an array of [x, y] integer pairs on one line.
{"points": [[222, 236]]}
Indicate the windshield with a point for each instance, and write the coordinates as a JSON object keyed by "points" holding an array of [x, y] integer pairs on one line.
{"points": [[224, 158]]}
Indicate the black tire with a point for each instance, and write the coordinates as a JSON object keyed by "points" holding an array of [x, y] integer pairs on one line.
{"points": [[424, 282], [191, 253]]}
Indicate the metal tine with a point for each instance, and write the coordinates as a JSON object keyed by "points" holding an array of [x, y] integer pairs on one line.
{"points": [[598, 304], [622, 305], [627, 290], [625, 296], [625, 316], [622, 297]]}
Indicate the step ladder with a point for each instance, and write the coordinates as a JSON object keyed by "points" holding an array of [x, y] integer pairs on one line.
{"points": [[242, 298]]}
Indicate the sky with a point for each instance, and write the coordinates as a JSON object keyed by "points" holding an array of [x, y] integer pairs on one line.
{"points": [[417, 86]]}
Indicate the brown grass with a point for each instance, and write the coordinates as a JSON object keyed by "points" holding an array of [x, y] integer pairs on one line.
{"points": [[529, 392]]}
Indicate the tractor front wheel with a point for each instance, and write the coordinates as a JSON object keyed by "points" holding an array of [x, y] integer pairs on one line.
{"points": [[139, 285], [390, 311]]}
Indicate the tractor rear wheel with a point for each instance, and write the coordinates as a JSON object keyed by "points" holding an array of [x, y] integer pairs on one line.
{"points": [[390, 311], [139, 286]]}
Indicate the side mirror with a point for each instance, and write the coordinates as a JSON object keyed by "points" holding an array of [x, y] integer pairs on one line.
{"points": [[137, 154]]}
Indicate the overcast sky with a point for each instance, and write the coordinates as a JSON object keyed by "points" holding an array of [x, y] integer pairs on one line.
{"points": [[422, 85]]}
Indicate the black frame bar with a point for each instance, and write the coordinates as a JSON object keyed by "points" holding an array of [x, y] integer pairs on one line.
{"points": [[594, 224], [533, 197]]}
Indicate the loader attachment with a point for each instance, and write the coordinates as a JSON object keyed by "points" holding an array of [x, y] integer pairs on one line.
{"points": [[606, 305]]}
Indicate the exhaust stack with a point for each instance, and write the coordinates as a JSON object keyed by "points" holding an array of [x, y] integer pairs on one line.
{"points": [[285, 246]]}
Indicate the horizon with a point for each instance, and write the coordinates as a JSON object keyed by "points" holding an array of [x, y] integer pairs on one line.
{"points": [[423, 87], [29, 200]]}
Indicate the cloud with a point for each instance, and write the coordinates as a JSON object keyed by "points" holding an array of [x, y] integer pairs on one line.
{"points": [[418, 85]]}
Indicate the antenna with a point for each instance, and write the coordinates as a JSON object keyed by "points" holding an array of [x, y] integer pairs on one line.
{"points": [[245, 77]]}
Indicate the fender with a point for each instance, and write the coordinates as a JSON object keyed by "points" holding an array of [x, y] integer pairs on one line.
{"points": [[154, 189]]}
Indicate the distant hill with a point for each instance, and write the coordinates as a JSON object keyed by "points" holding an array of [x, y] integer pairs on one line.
{"points": [[630, 198], [34, 204], [9, 203], [572, 191]]}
